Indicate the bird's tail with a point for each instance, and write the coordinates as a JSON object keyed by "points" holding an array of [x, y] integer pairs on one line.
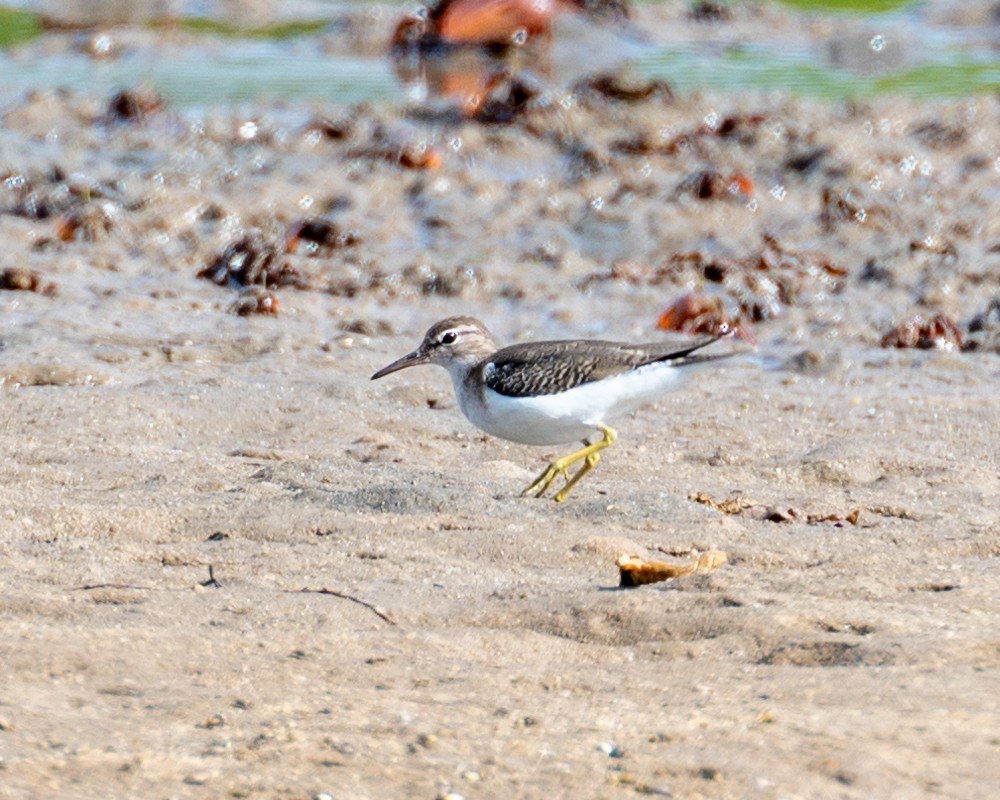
{"points": [[683, 357]]}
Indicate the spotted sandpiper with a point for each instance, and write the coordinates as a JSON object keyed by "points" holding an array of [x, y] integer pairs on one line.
{"points": [[554, 392]]}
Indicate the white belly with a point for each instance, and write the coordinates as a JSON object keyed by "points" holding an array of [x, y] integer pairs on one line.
{"points": [[572, 415]]}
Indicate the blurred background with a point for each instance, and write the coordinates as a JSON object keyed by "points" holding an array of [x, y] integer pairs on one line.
{"points": [[209, 51]]}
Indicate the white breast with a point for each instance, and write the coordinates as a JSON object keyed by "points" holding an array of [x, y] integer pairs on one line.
{"points": [[568, 416]]}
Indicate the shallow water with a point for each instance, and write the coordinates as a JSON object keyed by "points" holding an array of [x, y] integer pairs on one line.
{"points": [[917, 49], [233, 72], [917, 60]]}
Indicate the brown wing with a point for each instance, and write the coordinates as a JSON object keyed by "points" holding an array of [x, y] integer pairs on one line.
{"points": [[538, 368]]}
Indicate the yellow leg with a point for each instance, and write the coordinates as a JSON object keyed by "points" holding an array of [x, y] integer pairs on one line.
{"points": [[590, 454], [588, 464]]}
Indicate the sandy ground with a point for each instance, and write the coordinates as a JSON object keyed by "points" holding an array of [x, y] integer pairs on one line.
{"points": [[388, 618]]}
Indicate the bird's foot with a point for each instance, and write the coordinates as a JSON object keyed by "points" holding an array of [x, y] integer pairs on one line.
{"points": [[588, 465], [542, 483], [590, 455]]}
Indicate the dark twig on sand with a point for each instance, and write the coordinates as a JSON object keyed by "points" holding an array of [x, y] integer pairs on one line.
{"points": [[92, 586], [378, 612], [211, 579]]}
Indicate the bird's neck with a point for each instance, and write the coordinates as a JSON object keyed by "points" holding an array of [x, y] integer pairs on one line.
{"points": [[462, 374]]}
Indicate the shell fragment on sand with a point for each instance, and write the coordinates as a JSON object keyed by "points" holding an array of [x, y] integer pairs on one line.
{"points": [[636, 572]]}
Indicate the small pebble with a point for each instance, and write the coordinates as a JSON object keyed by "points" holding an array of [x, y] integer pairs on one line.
{"points": [[427, 740], [611, 750]]}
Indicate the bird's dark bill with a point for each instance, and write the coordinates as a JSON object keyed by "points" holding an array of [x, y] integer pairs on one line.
{"points": [[409, 360]]}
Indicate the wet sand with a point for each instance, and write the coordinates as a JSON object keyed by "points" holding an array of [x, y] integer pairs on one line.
{"points": [[388, 618]]}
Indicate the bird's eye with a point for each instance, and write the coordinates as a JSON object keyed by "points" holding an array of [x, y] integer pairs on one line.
{"points": [[449, 337]]}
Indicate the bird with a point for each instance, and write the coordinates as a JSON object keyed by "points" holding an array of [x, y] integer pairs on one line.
{"points": [[552, 392]]}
